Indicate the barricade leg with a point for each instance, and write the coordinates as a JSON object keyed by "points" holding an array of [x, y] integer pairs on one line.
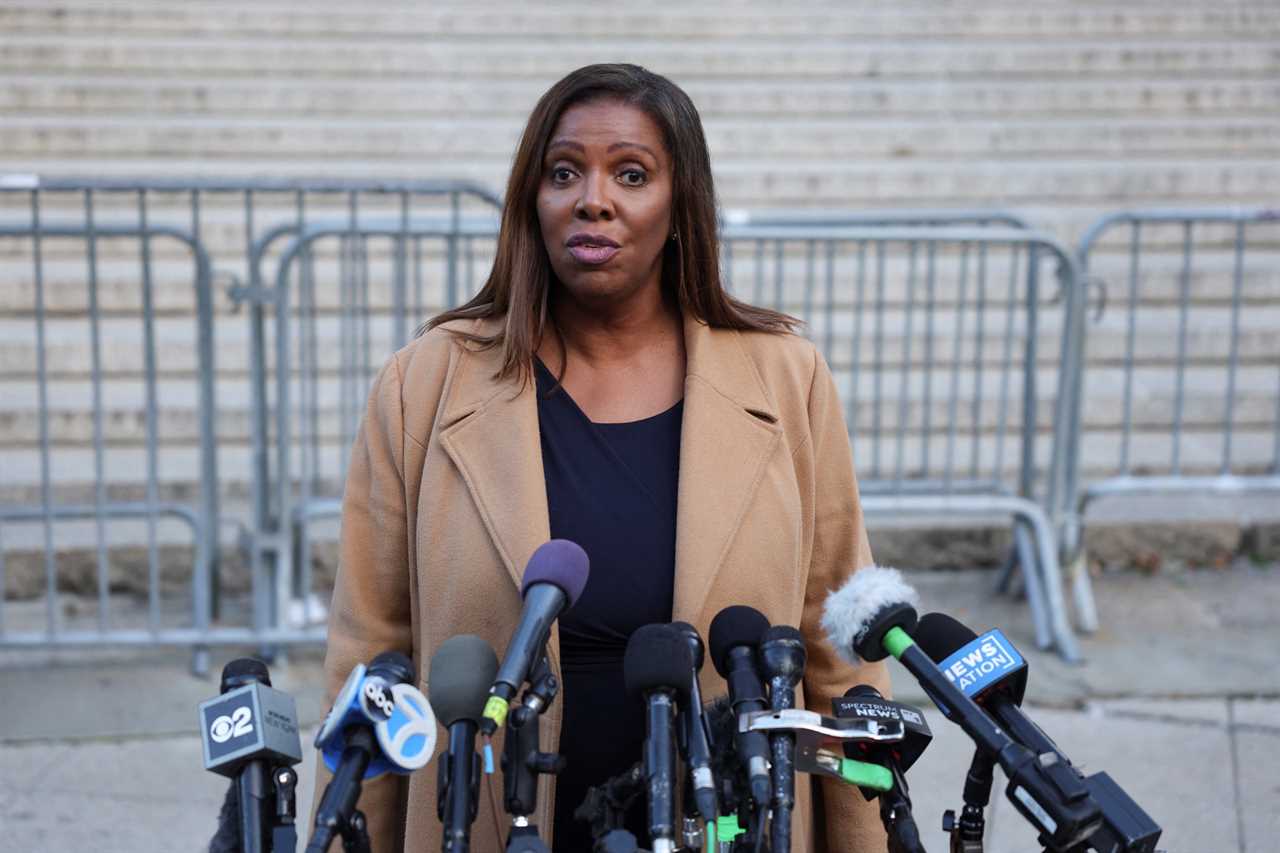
{"points": [[1051, 576], [1082, 593], [1025, 556]]}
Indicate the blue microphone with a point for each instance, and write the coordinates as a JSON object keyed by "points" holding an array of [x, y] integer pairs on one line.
{"points": [[380, 723], [381, 698], [989, 670]]}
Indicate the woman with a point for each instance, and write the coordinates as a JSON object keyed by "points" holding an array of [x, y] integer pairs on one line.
{"points": [[601, 387]]}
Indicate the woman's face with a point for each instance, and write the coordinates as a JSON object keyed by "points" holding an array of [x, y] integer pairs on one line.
{"points": [[604, 202]]}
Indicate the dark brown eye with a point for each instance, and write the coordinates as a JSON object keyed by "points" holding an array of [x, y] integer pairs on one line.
{"points": [[561, 174], [634, 178]]}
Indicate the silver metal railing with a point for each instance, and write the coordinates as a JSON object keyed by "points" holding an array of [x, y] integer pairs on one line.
{"points": [[1186, 363], [130, 459], [57, 504], [936, 334], [947, 344], [957, 339]]}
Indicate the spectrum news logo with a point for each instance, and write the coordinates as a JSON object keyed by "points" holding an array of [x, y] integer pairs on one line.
{"points": [[982, 662]]}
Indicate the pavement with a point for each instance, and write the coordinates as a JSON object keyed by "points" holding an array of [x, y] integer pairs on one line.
{"points": [[1178, 699]]}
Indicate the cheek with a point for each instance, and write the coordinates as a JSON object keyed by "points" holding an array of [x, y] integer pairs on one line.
{"points": [[657, 218], [546, 213]]}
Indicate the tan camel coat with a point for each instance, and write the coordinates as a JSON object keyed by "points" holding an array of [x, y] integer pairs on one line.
{"points": [[446, 500]]}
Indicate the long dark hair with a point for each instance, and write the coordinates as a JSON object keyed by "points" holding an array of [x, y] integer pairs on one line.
{"points": [[518, 287]]}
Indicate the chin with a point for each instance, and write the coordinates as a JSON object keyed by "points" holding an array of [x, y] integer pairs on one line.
{"points": [[594, 287]]}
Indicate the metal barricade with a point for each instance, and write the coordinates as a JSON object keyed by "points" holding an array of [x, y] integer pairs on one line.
{"points": [[336, 275], [89, 314], [167, 452], [1177, 390], [331, 333], [943, 342], [911, 217]]}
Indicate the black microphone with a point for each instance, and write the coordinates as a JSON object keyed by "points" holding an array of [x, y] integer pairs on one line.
{"points": [[462, 670], [696, 741], [553, 580], [732, 787], [872, 616], [991, 671], [246, 732], [735, 633], [782, 659], [351, 731], [657, 665], [895, 803]]}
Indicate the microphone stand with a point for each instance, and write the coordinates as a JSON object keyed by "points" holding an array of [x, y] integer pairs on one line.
{"points": [[966, 833], [606, 805], [338, 810], [522, 763], [251, 788], [895, 814], [458, 783]]}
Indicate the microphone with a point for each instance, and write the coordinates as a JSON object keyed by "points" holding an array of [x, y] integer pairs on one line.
{"points": [[782, 659], [379, 723], [726, 765], [553, 580], [696, 741], [735, 633], [461, 671], [989, 670], [864, 701], [657, 665], [246, 731], [872, 616]]}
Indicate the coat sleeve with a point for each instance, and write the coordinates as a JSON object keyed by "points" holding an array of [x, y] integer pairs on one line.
{"points": [[371, 609], [844, 820]]}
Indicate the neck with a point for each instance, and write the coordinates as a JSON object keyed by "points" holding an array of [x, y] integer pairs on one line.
{"points": [[613, 337]]}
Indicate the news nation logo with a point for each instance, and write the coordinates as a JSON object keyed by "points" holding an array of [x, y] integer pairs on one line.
{"points": [[982, 662]]}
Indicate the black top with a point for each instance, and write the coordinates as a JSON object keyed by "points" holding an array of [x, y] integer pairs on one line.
{"points": [[612, 489]]}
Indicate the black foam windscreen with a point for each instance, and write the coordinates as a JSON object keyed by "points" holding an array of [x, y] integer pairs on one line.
{"points": [[782, 632], [395, 667], [693, 639], [459, 678], [558, 562], [242, 671], [862, 691], [939, 636], [735, 626], [657, 656]]}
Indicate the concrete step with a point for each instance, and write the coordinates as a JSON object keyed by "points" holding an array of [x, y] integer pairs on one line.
{"points": [[547, 58], [893, 334], [881, 464], [55, 93], [1075, 184], [849, 275], [483, 138], [943, 396], [750, 20]]}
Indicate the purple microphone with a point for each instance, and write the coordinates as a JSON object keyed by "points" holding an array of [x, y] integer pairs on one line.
{"points": [[553, 580]]}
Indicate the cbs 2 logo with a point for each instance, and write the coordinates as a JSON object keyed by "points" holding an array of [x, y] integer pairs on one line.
{"points": [[224, 728]]}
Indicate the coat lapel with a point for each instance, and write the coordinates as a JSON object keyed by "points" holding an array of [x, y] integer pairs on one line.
{"points": [[729, 433], [490, 431]]}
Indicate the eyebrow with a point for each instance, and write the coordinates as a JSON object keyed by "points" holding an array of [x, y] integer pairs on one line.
{"points": [[578, 146]]}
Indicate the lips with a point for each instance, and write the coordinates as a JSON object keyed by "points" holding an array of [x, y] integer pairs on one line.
{"points": [[592, 249]]}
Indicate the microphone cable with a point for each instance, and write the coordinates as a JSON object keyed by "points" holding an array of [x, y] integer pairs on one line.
{"points": [[488, 785]]}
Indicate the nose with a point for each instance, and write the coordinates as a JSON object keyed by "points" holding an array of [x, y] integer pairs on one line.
{"points": [[594, 201]]}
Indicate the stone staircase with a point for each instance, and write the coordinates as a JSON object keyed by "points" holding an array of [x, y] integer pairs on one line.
{"points": [[1061, 113]]}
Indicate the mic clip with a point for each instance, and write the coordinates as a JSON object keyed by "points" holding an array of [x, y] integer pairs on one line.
{"points": [[812, 728]]}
